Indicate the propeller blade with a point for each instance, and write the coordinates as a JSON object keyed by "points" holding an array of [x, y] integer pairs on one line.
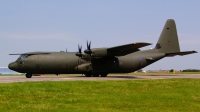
{"points": [[79, 49], [88, 50], [88, 45], [79, 53]]}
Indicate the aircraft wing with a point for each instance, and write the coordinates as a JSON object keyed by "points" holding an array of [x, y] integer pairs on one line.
{"points": [[31, 53], [180, 53], [126, 49]]}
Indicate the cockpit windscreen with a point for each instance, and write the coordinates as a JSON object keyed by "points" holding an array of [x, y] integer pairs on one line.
{"points": [[22, 56]]}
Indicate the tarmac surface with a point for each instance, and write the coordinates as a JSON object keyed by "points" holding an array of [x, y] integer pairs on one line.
{"points": [[10, 79]]}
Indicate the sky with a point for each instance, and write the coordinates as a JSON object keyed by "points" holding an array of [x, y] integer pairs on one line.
{"points": [[54, 25]]}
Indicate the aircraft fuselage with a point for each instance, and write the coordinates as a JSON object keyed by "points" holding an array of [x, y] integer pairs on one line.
{"points": [[68, 63]]}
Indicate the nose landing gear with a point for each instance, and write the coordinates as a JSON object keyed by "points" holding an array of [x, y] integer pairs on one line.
{"points": [[28, 75]]}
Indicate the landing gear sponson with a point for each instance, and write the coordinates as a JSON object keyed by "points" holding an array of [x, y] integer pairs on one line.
{"points": [[29, 75]]}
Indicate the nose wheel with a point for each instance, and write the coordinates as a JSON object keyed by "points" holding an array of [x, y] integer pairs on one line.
{"points": [[28, 75]]}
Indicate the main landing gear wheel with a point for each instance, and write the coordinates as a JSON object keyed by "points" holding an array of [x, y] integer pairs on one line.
{"points": [[88, 75], [95, 75], [104, 75], [28, 75]]}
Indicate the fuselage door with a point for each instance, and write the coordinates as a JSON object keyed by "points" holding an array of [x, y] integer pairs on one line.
{"points": [[67, 64], [113, 65]]}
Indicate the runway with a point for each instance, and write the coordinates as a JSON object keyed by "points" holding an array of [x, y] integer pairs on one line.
{"points": [[10, 79]]}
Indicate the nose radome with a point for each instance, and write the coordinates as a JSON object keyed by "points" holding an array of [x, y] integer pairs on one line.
{"points": [[9, 66], [12, 66]]}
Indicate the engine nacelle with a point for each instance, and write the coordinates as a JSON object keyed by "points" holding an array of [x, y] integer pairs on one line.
{"points": [[99, 52]]}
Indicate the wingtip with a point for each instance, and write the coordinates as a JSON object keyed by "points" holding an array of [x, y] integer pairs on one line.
{"points": [[17, 54], [148, 43], [195, 52]]}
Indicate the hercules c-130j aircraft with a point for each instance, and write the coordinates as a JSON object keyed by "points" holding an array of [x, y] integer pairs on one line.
{"points": [[101, 61]]}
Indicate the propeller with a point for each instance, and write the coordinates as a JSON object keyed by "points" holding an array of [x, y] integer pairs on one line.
{"points": [[79, 53], [88, 50]]}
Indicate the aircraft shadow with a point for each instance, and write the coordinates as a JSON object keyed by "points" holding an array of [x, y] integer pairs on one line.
{"points": [[116, 77]]}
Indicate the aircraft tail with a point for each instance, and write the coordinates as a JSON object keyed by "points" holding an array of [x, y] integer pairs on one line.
{"points": [[168, 40]]}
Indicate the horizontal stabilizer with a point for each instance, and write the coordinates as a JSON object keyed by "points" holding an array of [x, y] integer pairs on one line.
{"points": [[180, 53], [126, 49]]}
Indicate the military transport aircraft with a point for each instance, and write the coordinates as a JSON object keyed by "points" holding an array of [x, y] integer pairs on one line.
{"points": [[101, 61]]}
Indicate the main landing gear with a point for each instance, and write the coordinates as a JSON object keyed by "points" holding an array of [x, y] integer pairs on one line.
{"points": [[104, 75], [28, 75], [95, 75]]}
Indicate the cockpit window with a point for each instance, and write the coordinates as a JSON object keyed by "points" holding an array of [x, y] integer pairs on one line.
{"points": [[22, 56]]}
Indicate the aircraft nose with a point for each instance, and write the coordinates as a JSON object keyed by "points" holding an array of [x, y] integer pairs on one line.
{"points": [[12, 66]]}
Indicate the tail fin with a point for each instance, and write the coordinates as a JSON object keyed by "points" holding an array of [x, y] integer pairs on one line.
{"points": [[168, 41]]}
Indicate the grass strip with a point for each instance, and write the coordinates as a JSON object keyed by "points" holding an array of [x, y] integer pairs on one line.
{"points": [[166, 95]]}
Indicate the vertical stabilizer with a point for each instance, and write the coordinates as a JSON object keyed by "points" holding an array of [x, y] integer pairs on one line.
{"points": [[168, 40]]}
